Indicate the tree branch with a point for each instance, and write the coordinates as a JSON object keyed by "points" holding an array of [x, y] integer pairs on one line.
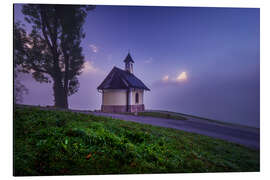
{"points": [[44, 29], [52, 33]]}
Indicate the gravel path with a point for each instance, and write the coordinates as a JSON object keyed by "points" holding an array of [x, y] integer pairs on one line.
{"points": [[241, 135]]}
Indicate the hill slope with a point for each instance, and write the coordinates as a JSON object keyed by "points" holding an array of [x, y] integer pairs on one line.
{"points": [[67, 143]]}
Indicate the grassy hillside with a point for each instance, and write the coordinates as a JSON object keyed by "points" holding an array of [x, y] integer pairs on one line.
{"points": [[66, 143]]}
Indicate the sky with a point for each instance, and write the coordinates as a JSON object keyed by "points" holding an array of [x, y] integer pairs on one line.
{"points": [[199, 61]]}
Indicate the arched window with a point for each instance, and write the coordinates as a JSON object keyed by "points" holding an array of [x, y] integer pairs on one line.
{"points": [[137, 98]]}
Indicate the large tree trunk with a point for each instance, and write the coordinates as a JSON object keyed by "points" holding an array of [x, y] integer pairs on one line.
{"points": [[60, 97], [66, 81]]}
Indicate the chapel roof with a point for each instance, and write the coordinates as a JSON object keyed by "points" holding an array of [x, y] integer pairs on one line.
{"points": [[121, 79]]}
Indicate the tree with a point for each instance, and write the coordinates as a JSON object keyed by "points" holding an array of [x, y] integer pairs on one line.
{"points": [[19, 41], [52, 51]]}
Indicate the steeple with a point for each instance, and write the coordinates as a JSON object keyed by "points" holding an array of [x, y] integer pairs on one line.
{"points": [[129, 63]]}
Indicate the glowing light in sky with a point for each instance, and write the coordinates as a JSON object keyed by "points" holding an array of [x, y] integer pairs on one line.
{"points": [[94, 48], [165, 78], [182, 76], [88, 67]]}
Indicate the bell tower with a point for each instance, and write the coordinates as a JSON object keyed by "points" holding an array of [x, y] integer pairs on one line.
{"points": [[129, 63]]}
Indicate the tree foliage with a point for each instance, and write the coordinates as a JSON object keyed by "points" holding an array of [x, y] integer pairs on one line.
{"points": [[52, 51], [19, 41]]}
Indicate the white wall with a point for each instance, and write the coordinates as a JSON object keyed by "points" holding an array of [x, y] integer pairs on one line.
{"points": [[114, 97], [119, 97]]}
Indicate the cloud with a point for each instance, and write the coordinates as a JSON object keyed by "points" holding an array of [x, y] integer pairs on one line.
{"points": [[165, 78], [171, 81], [88, 67], [94, 48], [215, 97], [182, 76]]}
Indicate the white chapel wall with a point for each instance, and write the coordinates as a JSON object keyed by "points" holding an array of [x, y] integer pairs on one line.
{"points": [[114, 97]]}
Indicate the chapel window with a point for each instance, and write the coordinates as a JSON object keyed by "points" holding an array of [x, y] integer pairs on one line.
{"points": [[137, 98]]}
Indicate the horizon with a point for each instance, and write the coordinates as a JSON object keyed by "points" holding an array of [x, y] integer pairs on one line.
{"points": [[196, 60]]}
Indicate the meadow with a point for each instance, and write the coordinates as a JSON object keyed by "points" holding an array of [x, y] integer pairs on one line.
{"points": [[51, 142]]}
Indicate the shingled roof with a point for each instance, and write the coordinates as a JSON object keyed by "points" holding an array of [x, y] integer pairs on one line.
{"points": [[120, 79]]}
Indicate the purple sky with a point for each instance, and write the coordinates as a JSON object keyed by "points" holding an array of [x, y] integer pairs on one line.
{"points": [[217, 48]]}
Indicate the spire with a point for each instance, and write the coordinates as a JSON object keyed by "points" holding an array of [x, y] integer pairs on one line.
{"points": [[128, 59], [129, 63]]}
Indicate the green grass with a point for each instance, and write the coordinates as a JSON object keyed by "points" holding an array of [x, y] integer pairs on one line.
{"points": [[67, 143]]}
